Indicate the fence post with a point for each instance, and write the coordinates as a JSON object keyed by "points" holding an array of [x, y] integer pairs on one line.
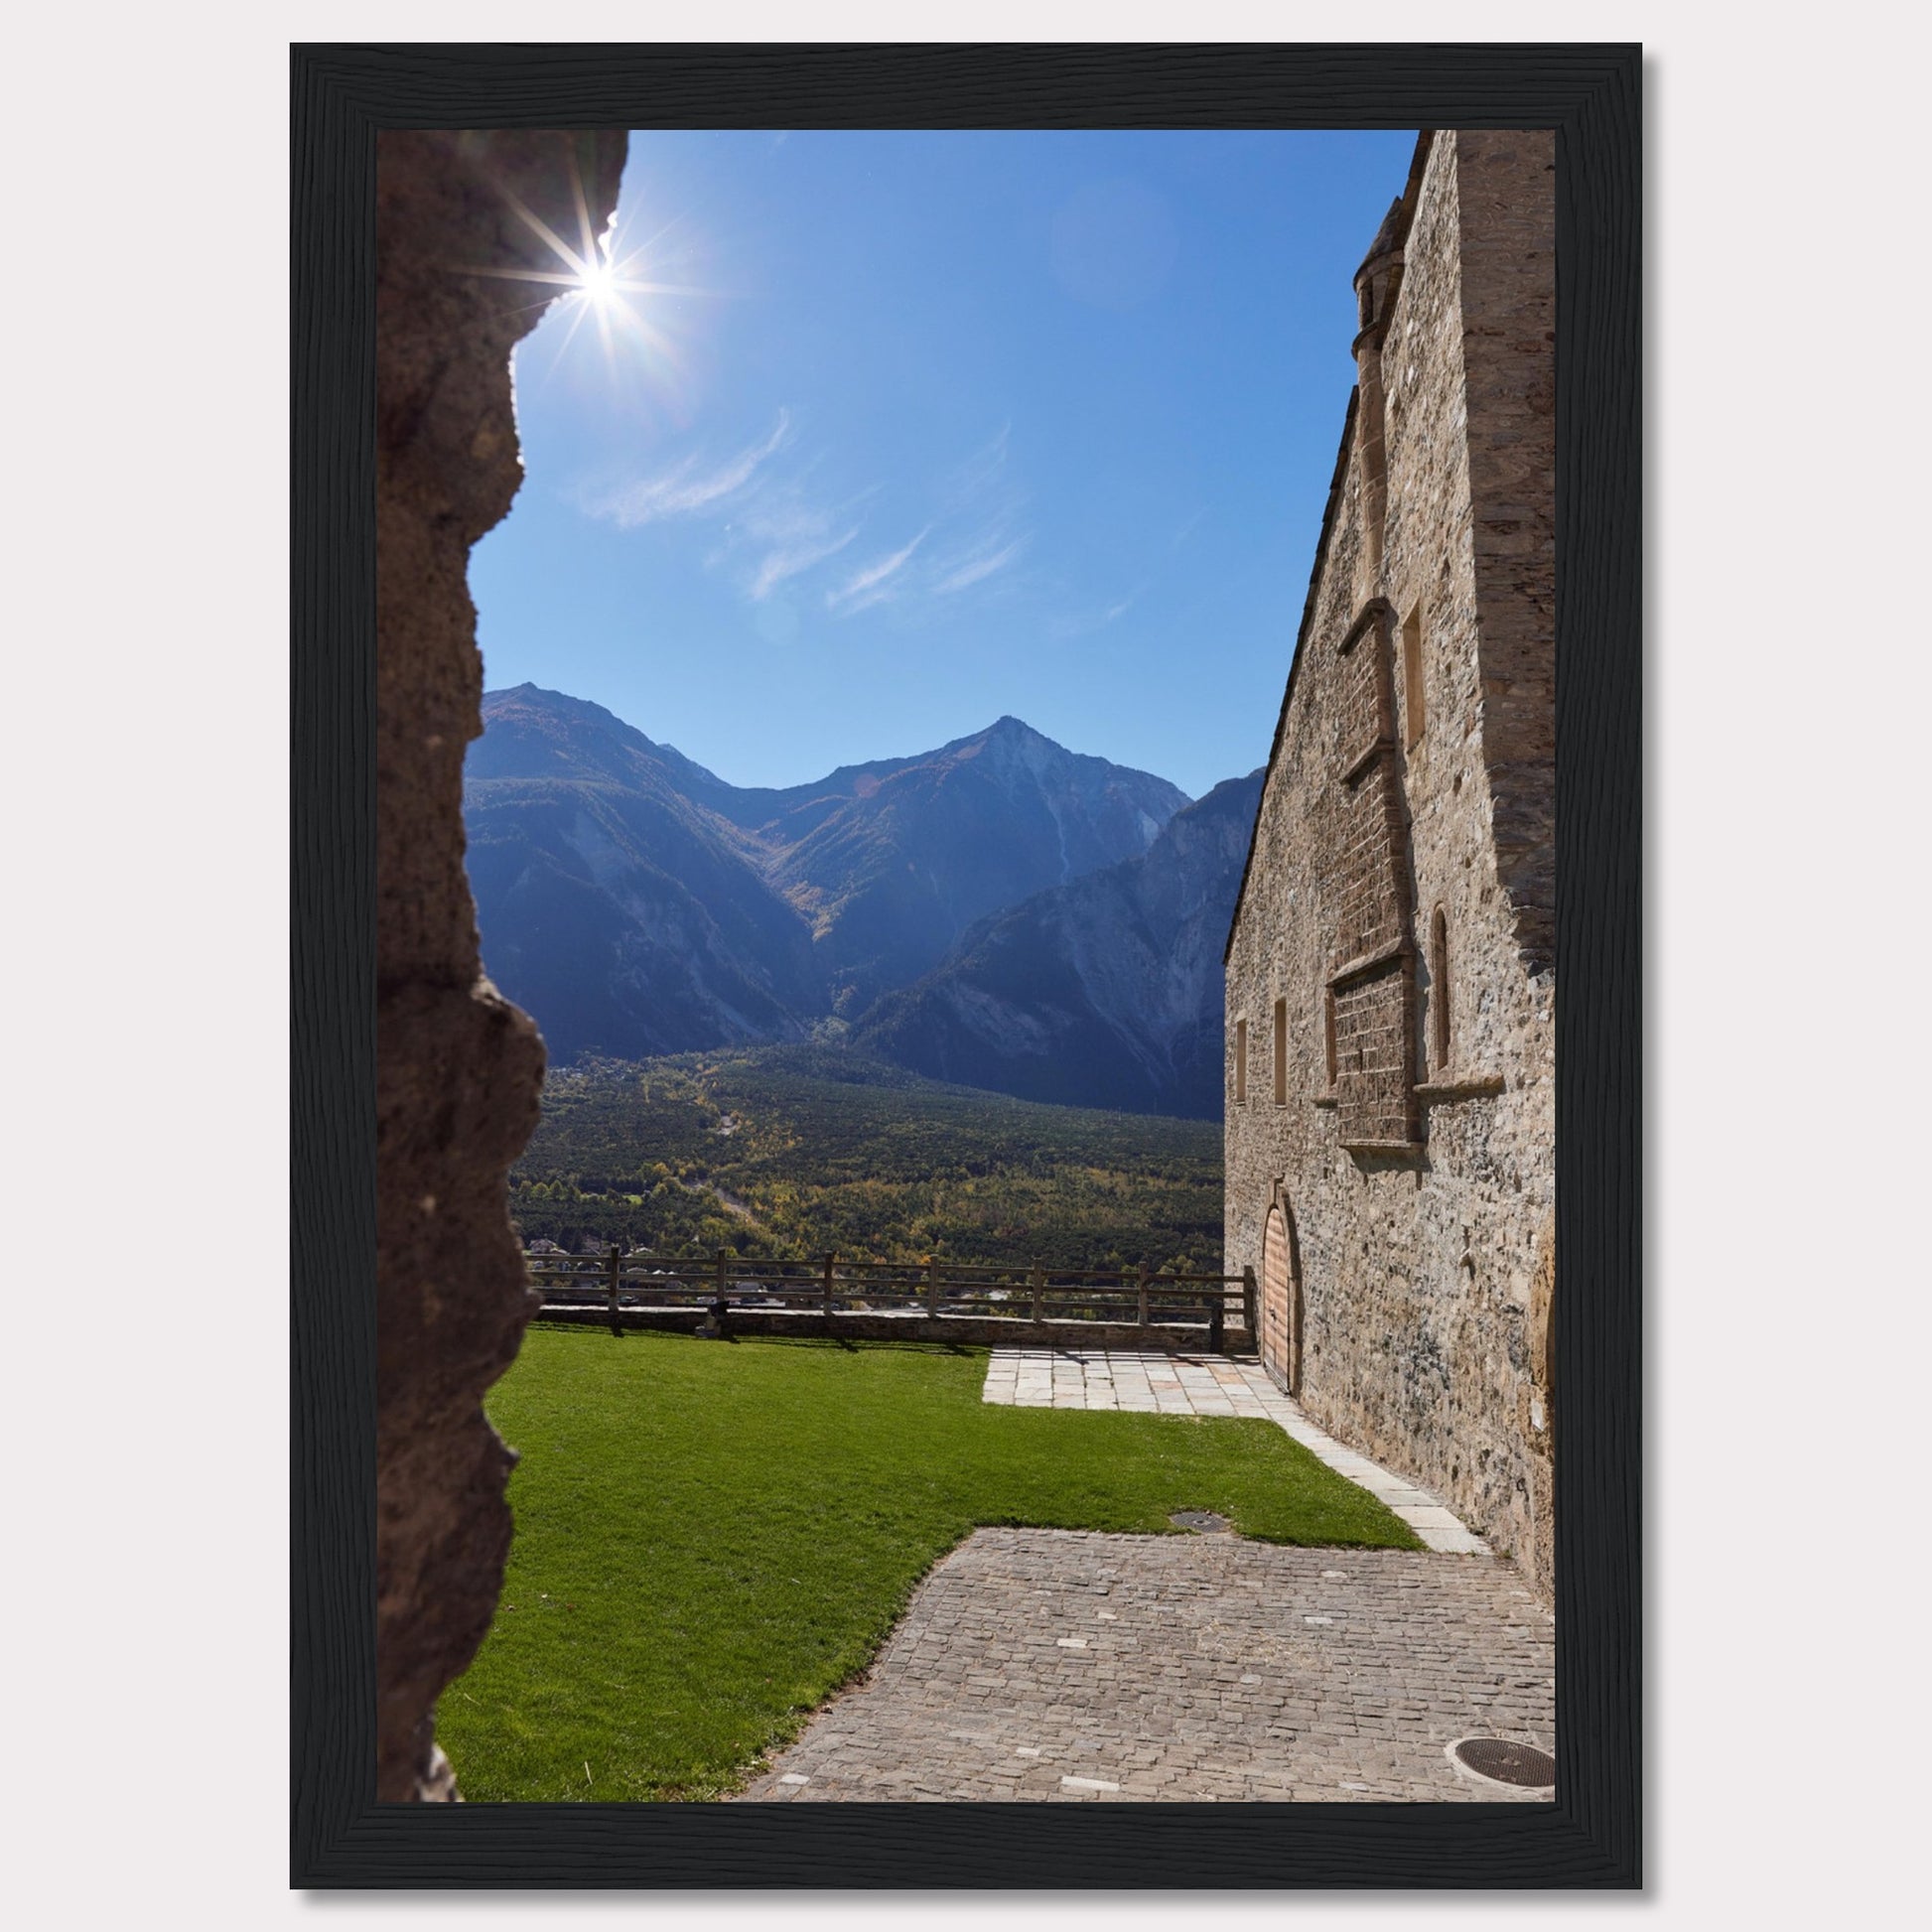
{"points": [[1143, 1300], [830, 1259], [1040, 1290], [1248, 1307], [932, 1288], [614, 1263], [1217, 1321]]}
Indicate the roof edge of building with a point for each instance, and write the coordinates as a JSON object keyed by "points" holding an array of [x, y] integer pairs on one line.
{"points": [[1411, 192], [1337, 483]]}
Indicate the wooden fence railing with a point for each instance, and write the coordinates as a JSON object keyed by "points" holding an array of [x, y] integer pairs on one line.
{"points": [[832, 1285]]}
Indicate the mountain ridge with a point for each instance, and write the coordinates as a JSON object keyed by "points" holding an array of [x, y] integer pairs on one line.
{"points": [[1106, 990], [636, 904]]}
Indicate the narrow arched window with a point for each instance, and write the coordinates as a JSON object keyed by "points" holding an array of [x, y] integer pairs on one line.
{"points": [[1441, 1035], [1281, 1051], [1414, 718], [1240, 1060], [1328, 1032]]}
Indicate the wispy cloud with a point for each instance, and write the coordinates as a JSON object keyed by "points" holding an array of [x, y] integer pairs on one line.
{"points": [[983, 507], [990, 556], [875, 583], [775, 514], [685, 488], [1084, 624], [796, 549], [979, 473]]}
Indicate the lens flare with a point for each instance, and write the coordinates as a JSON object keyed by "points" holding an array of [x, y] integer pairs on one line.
{"points": [[594, 281]]}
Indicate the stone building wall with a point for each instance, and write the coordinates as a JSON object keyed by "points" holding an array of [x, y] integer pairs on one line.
{"points": [[458, 1069], [1418, 1188]]}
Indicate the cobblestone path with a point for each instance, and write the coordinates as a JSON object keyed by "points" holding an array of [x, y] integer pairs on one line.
{"points": [[1069, 1666]]}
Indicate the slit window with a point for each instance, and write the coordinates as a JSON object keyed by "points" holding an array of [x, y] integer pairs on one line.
{"points": [[1240, 1060], [1411, 681], [1281, 1051], [1440, 1036], [1329, 1032]]}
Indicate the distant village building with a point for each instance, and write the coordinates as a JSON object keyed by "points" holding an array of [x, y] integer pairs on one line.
{"points": [[1391, 971]]}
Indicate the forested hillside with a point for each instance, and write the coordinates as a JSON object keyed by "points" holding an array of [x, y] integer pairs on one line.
{"points": [[796, 1150]]}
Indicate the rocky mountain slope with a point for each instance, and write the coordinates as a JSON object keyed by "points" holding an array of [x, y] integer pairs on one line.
{"points": [[1106, 992], [637, 905]]}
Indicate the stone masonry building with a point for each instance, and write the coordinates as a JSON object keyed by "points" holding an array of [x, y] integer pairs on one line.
{"points": [[1391, 971]]}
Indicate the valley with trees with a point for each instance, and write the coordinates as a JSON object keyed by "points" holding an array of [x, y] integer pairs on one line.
{"points": [[800, 1150]]}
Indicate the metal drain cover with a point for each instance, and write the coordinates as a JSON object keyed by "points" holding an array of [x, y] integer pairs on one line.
{"points": [[1202, 1520], [1507, 1764]]}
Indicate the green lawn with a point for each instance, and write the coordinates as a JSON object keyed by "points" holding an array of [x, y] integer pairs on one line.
{"points": [[711, 1538]]}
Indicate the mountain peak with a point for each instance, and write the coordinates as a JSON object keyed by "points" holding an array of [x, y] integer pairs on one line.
{"points": [[634, 901], [1006, 729]]}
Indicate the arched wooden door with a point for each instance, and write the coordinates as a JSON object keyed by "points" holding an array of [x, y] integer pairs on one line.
{"points": [[1280, 1299]]}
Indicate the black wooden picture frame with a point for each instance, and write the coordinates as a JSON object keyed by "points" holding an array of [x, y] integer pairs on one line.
{"points": [[1591, 1834]]}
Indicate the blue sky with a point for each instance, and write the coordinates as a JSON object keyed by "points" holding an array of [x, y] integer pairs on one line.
{"points": [[918, 429]]}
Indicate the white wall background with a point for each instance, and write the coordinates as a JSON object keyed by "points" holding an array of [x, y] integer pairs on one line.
{"points": [[144, 786]]}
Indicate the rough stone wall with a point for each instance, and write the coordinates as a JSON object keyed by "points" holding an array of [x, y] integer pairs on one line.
{"points": [[1420, 1257], [1509, 325], [457, 1067], [1363, 833]]}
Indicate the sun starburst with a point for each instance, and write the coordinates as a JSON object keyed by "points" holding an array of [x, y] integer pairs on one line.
{"points": [[594, 280]]}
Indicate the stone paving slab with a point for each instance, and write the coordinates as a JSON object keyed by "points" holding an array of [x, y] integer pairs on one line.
{"points": [[1072, 1667], [1211, 1385]]}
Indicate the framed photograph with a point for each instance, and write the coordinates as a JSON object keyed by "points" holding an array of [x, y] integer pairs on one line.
{"points": [[1060, 1309]]}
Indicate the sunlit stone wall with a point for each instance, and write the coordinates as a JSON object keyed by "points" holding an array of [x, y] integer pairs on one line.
{"points": [[1420, 1186]]}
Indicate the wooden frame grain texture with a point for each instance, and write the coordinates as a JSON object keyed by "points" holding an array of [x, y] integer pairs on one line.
{"points": [[1591, 1836]]}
